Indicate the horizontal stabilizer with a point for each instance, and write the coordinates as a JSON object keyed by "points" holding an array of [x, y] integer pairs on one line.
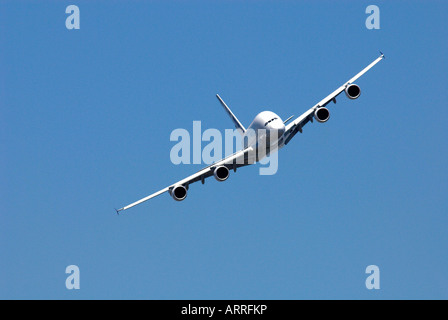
{"points": [[287, 120]]}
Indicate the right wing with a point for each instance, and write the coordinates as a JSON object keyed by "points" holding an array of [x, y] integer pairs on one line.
{"points": [[297, 124], [238, 159]]}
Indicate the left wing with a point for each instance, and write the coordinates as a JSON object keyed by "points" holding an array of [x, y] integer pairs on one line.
{"points": [[238, 159], [297, 124]]}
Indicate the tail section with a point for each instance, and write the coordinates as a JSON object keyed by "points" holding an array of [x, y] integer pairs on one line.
{"points": [[235, 120]]}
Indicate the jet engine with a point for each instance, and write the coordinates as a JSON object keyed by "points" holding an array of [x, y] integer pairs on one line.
{"points": [[353, 91], [179, 193], [221, 173], [322, 114]]}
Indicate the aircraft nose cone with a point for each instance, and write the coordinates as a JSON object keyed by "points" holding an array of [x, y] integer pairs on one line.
{"points": [[279, 127]]}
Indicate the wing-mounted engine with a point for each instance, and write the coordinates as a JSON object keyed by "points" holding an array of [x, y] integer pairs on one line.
{"points": [[353, 91], [178, 192], [322, 114], [221, 173]]}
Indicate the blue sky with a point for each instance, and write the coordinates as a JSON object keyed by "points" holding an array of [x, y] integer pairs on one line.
{"points": [[85, 121]]}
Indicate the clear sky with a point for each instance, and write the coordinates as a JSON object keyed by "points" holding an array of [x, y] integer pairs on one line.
{"points": [[85, 121]]}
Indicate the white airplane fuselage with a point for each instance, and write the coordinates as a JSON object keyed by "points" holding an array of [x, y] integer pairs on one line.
{"points": [[264, 134]]}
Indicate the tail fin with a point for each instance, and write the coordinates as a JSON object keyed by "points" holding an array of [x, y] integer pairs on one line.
{"points": [[236, 122]]}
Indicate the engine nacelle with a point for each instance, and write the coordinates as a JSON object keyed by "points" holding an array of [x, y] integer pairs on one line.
{"points": [[353, 91], [322, 114], [221, 173], [178, 193]]}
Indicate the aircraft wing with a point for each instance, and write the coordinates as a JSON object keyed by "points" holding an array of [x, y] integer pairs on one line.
{"points": [[300, 122], [238, 159]]}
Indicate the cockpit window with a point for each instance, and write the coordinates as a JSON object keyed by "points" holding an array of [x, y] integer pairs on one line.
{"points": [[270, 121]]}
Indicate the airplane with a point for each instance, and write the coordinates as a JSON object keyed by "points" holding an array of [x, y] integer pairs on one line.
{"points": [[267, 133]]}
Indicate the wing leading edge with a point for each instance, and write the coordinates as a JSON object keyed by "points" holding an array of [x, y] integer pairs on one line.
{"points": [[236, 160], [300, 122]]}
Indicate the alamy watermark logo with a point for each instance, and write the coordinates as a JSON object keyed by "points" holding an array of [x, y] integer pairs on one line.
{"points": [[373, 280], [373, 20], [73, 280], [261, 147], [73, 20]]}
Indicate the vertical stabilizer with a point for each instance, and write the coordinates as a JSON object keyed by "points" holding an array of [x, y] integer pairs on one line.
{"points": [[235, 120]]}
